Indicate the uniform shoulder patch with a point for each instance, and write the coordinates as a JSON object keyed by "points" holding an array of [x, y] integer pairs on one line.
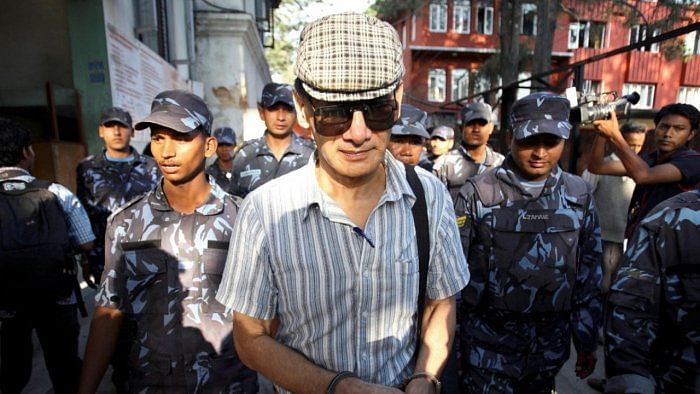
{"points": [[462, 220]]}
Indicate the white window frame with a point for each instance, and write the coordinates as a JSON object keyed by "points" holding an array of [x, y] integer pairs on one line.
{"points": [[689, 95], [523, 7], [574, 31], [692, 43], [639, 33], [583, 27], [437, 18], [461, 13], [646, 93], [522, 92], [592, 87], [459, 83], [413, 27], [436, 84], [488, 19]]}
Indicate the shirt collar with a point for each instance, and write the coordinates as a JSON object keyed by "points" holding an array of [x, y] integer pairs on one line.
{"points": [[213, 206], [102, 158], [507, 174], [396, 186], [295, 146], [14, 172], [488, 157]]}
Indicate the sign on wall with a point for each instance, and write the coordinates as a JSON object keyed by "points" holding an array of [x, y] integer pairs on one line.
{"points": [[137, 74]]}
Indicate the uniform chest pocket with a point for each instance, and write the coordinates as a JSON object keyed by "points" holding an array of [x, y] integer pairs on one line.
{"points": [[146, 271], [213, 264], [533, 258]]}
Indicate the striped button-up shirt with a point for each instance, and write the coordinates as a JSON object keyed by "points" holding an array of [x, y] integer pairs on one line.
{"points": [[346, 297]]}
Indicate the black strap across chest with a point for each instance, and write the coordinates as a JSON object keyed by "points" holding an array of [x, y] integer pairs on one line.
{"points": [[420, 220]]}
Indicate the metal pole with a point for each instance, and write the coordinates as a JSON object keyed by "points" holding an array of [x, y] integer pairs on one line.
{"points": [[573, 153], [52, 111]]}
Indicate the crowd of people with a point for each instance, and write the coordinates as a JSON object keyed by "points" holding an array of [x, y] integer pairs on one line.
{"points": [[383, 255]]}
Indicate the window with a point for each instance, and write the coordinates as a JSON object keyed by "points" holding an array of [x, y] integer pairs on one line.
{"points": [[482, 84], [413, 27], [692, 43], [591, 87], [586, 34], [436, 84], [459, 83], [689, 95], [461, 13], [484, 19], [639, 33], [524, 87], [438, 17], [528, 20], [646, 94]]}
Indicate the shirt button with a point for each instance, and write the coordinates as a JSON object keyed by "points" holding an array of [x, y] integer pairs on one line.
{"points": [[364, 356], [364, 315], [365, 273]]}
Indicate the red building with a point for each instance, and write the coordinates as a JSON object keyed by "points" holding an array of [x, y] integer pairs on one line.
{"points": [[445, 42]]}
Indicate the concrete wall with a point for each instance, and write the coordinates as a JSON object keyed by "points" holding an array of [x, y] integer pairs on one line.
{"points": [[232, 67]]}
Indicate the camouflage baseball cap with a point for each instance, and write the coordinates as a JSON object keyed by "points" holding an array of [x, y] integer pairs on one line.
{"points": [[538, 113], [116, 114], [444, 132], [274, 93], [476, 111], [349, 57], [411, 122], [179, 110], [225, 135]]}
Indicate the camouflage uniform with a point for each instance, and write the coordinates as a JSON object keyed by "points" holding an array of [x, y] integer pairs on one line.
{"points": [[104, 185], [222, 178], [163, 270], [535, 265], [255, 165], [455, 167], [652, 317]]}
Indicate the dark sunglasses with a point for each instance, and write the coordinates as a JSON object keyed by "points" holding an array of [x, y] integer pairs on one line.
{"points": [[334, 120]]}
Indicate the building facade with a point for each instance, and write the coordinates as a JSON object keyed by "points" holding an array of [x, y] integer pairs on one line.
{"points": [[447, 41], [65, 61]]}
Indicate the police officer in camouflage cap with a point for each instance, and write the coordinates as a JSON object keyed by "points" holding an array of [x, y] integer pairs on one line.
{"points": [[531, 235], [408, 137], [652, 318], [278, 151], [165, 256], [474, 156], [221, 169], [106, 181], [110, 179]]}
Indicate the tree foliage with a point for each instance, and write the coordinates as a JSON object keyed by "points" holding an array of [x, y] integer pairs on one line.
{"points": [[392, 9], [290, 19]]}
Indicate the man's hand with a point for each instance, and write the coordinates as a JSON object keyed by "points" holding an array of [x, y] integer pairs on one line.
{"points": [[355, 385], [87, 275], [608, 128], [585, 364], [420, 386]]}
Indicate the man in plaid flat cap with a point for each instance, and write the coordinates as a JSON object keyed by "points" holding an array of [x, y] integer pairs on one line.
{"points": [[323, 270], [278, 151], [165, 254]]}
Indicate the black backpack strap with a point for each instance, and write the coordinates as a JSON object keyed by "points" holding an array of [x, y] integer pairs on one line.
{"points": [[420, 220]]}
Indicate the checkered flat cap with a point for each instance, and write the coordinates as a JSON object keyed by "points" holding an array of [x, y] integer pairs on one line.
{"points": [[349, 57]]}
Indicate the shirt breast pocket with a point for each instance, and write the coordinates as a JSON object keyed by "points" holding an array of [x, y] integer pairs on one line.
{"points": [[146, 272], [213, 264]]}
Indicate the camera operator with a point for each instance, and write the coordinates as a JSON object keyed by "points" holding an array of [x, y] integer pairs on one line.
{"points": [[671, 169]]}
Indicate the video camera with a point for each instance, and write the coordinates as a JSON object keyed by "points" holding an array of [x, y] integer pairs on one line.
{"points": [[594, 106]]}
